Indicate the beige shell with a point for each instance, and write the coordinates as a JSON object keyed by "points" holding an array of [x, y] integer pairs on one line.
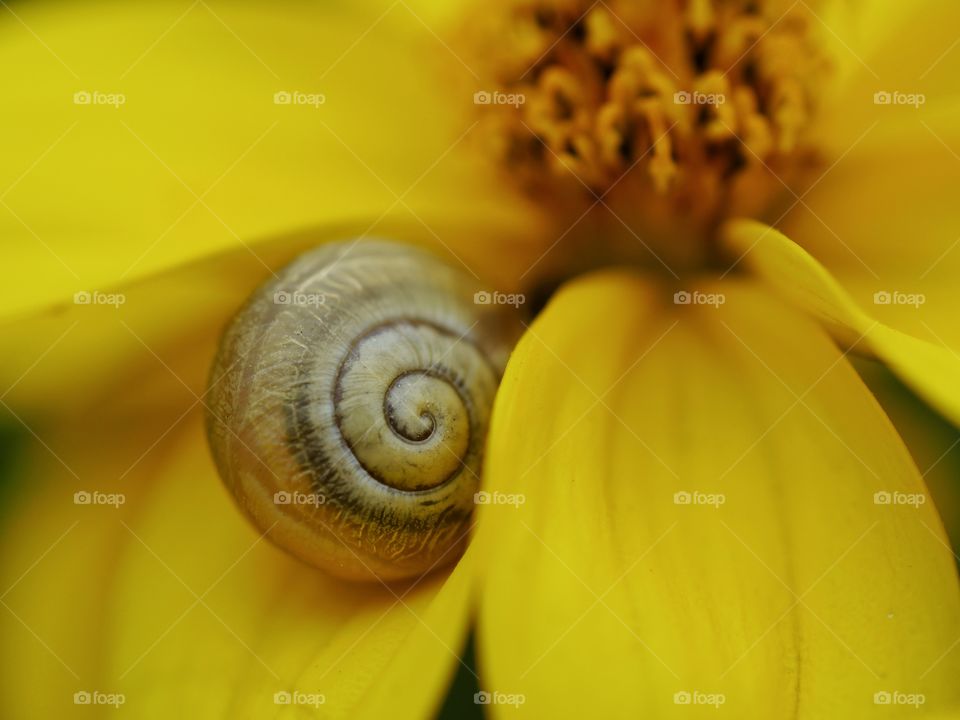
{"points": [[349, 405]]}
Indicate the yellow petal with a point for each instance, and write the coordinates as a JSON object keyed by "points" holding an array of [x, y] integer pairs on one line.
{"points": [[884, 207], [934, 442], [932, 369], [905, 52], [174, 601], [74, 354], [795, 597], [146, 135], [905, 46], [882, 214]]}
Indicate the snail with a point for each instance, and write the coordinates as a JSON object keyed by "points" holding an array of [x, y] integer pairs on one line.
{"points": [[348, 407]]}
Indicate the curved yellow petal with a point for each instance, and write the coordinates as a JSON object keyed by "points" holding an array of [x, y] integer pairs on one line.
{"points": [[930, 367], [934, 442], [686, 514], [176, 603], [74, 354], [147, 135], [882, 215], [883, 220]]}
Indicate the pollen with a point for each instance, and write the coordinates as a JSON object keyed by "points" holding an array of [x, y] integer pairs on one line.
{"points": [[674, 113]]}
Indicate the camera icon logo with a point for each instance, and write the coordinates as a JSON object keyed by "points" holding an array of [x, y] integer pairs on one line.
{"points": [[682, 698], [281, 297], [282, 698], [282, 98], [282, 497], [882, 297], [82, 98], [81, 298], [882, 497], [82, 698], [682, 297], [682, 498], [882, 698], [481, 498], [482, 97], [82, 497], [682, 97], [482, 698], [882, 98], [482, 297]]}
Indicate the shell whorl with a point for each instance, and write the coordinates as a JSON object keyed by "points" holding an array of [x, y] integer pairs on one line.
{"points": [[349, 404]]}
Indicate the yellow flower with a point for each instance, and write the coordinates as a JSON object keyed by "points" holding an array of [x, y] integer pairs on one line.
{"points": [[703, 502]]}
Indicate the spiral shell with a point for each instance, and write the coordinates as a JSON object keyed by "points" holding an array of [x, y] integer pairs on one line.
{"points": [[349, 404]]}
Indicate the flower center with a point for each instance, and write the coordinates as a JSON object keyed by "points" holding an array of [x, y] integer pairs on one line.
{"points": [[670, 114]]}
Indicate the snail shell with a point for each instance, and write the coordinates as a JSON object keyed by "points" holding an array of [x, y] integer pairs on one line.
{"points": [[349, 404]]}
